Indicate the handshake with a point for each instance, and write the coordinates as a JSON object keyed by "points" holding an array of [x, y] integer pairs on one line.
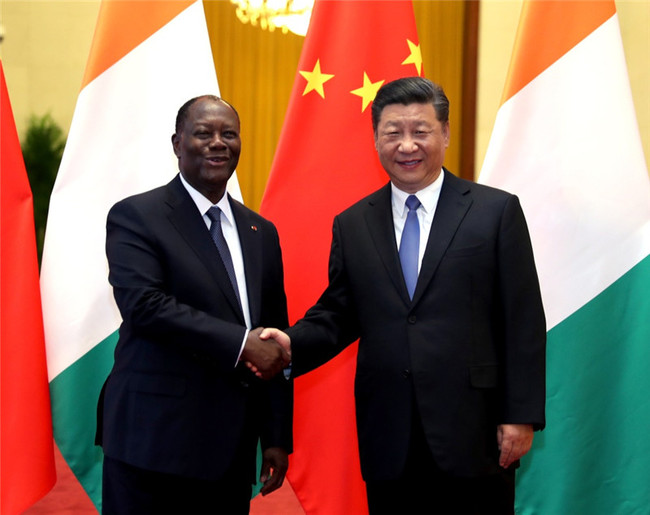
{"points": [[267, 352]]}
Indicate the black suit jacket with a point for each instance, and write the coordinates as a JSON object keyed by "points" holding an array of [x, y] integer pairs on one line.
{"points": [[174, 401], [469, 348]]}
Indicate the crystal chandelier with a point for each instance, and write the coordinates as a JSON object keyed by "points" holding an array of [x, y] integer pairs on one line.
{"points": [[287, 15]]}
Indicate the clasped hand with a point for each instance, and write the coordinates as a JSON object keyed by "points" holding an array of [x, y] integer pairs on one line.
{"points": [[275, 339], [265, 357]]}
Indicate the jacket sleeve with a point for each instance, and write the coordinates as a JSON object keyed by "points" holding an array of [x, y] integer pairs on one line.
{"points": [[523, 323], [331, 324], [152, 290]]}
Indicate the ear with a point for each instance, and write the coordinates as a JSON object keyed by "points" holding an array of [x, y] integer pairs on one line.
{"points": [[446, 133], [176, 144]]}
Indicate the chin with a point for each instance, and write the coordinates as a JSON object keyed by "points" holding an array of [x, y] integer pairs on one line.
{"points": [[217, 175], [409, 187]]}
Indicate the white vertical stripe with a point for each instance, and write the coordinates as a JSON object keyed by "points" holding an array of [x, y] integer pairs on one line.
{"points": [[119, 144], [568, 145]]}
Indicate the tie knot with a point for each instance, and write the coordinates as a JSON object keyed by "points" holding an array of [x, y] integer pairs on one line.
{"points": [[214, 214], [412, 202]]}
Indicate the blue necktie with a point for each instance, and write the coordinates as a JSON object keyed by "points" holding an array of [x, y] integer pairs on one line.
{"points": [[409, 248], [214, 214]]}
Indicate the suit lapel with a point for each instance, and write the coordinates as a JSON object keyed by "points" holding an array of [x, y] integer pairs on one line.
{"points": [[453, 203], [379, 219], [252, 251], [187, 220]]}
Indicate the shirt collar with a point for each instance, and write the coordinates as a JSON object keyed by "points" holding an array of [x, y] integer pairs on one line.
{"points": [[428, 196], [203, 203]]}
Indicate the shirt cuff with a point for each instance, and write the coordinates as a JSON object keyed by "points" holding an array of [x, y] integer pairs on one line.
{"points": [[241, 349]]}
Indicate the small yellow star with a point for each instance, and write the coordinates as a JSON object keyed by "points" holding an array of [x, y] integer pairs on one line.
{"points": [[415, 57], [368, 91], [315, 80]]}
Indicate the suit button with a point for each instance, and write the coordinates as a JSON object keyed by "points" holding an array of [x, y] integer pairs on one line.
{"points": [[406, 373], [412, 319]]}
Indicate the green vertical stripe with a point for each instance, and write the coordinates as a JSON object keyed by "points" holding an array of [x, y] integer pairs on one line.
{"points": [[74, 407], [594, 455]]}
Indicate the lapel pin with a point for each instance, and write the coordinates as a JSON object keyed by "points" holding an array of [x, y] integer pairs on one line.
{"points": [[254, 227]]}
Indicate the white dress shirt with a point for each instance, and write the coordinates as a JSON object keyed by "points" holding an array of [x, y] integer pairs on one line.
{"points": [[428, 198], [229, 228]]}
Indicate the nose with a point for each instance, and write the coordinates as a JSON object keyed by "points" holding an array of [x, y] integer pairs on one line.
{"points": [[216, 141], [407, 144]]}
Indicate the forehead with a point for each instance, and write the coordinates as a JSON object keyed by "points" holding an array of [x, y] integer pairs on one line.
{"points": [[400, 113], [207, 109]]}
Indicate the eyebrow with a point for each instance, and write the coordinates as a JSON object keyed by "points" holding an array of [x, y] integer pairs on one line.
{"points": [[418, 123]]}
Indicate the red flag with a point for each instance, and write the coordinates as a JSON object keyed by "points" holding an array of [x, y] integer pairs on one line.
{"points": [[326, 161], [27, 455]]}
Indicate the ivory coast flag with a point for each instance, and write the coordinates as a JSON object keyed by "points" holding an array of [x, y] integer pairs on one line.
{"points": [[147, 58], [325, 161], [566, 141], [26, 451]]}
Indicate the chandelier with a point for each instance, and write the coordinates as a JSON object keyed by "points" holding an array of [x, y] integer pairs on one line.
{"points": [[287, 15]]}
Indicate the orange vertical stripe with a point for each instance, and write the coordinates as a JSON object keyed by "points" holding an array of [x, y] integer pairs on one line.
{"points": [[548, 29], [134, 21]]}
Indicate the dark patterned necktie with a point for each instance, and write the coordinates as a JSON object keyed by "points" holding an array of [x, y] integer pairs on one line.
{"points": [[214, 214]]}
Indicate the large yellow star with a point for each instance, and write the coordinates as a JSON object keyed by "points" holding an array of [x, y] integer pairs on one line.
{"points": [[415, 57], [315, 80], [368, 91]]}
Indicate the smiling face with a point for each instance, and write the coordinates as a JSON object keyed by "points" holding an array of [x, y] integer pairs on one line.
{"points": [[208, 146], [411, 143]]}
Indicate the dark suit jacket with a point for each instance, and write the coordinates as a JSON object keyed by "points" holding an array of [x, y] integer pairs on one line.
{"points": [[174, 401], [469, 348]]}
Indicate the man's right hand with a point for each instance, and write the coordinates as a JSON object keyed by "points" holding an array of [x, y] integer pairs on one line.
{"points": [[280, 337], [267, 356]]}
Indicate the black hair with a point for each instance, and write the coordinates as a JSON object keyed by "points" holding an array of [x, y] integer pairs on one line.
{"points": [[184, 110], [410, 90]]}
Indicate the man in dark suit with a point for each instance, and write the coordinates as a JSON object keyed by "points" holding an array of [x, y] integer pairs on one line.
{"points": [[180, 416], [450, 379]]}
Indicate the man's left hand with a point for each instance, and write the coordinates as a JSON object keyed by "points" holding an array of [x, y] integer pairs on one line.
{"points": [[275, 463], [514, 441]]}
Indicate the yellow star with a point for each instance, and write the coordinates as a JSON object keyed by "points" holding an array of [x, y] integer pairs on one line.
{"points": [[415, 57], [368, 91], [315, 80]]}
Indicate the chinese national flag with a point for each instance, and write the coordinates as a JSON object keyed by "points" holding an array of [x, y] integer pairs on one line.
{"points": [[325, 162], [27, 452]]}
